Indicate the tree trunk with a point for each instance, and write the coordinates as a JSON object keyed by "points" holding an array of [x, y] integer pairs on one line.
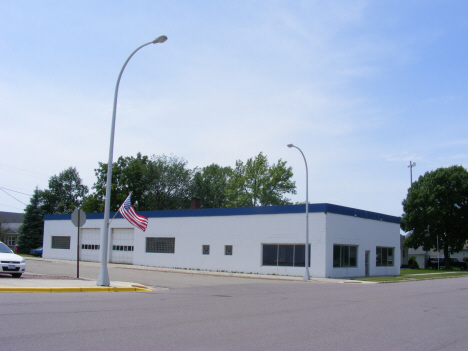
{"points": [[446, 257]]}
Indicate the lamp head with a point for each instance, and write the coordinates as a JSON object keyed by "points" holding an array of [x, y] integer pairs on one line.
{"points": [[290, 145], [160, 39]]}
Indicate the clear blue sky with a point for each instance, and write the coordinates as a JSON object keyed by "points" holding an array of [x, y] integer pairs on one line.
{"points": [[362, 87]]}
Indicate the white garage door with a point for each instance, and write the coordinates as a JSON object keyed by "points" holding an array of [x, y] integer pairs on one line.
{"points": [[122, 245], [89, 244]]}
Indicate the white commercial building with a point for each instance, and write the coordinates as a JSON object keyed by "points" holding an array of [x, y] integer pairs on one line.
{"points": [[344, 242]]}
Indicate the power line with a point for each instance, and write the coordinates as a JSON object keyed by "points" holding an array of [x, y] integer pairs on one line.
{"points": [[19, 192], [13, 197]]}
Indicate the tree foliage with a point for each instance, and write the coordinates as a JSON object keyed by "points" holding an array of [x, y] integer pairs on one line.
{"points": [[256, 183], [166, 183], [210, 186], [436, 208], [32, 230], [65, 193], [156, 183]]}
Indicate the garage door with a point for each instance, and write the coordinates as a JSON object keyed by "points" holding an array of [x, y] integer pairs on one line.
{"points": [[122, 245], [89, 244]]}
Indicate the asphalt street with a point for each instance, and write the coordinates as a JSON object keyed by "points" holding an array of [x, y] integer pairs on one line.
{"points": [[224, 313]]}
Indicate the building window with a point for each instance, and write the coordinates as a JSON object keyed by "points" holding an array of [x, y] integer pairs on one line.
{"points": [[122, 248], [384, 257], [206, 249], [290, 255], [61, 242], [11, 240], [228, 250], [90, 247], [160, 245], [344, 256]]}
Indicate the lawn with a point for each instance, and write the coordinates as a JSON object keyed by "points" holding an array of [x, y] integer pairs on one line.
{"points": [[417, 274]]}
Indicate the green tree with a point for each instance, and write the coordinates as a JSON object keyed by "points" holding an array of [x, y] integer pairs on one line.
{"points": [[436, 208], [32, 228], [128, 174], [156, 183], [256, 183], [210, 185], [66, 192]]}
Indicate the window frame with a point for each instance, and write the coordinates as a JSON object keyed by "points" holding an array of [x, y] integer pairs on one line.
{"points": [[345, 254], [165, 245], [285, 255], [60, 242], [228, 250], [384, 256]]}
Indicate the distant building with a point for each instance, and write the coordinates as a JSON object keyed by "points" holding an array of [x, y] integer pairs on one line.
{"points": [[344, 242], [10, 223]]}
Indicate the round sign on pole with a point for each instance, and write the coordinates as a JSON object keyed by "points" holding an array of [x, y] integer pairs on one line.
{"points": [[78, 217]]}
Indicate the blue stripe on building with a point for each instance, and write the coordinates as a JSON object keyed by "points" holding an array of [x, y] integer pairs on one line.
{"points": [[246, 211]]}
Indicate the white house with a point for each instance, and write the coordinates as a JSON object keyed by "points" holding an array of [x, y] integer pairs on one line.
{"points": [[343, 242]]}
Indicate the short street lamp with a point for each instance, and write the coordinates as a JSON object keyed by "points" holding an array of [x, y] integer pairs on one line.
{"points": [[103, 278], [306, 272]]}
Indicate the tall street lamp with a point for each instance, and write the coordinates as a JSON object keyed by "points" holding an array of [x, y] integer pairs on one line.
{"points": [[103, 278], [306, 272], [410, 166]]}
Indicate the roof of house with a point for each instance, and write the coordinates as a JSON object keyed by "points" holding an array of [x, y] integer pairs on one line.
{"points": [[245, 211], [11, 217]]}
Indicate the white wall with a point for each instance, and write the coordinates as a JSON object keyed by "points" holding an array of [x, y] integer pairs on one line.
{"points": [[246, 234], [367, 234]]}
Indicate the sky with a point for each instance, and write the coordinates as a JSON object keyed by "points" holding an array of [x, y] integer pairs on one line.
{"points": [[361, 87]]}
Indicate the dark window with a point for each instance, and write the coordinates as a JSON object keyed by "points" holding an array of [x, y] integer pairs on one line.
{"points": [[290, 255], [160, 245], [344, 256], [228, 250], [384, 257], [61, 242], [206, 249]]}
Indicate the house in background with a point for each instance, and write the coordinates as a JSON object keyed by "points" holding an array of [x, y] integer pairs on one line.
{"points": [[422, 256], [10, 222]]}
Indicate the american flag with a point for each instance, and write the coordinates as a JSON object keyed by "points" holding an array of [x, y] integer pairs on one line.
{"points": [[129, 213]]}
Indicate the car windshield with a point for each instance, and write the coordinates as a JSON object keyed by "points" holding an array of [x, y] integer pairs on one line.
{"points": [[4, 248]]}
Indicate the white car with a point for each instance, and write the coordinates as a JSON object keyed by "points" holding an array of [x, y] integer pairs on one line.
{"points": [[11, 263]]}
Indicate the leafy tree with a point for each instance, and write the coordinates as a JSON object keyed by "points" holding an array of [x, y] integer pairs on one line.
{"points": [[66, 192], [437, 207], [170, 182], [210, 185], [128, 174], [256, 183], [157, 183], [32, 229]]}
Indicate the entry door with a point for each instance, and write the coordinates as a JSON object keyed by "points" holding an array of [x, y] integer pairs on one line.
{"points": [[122, 245], [367, 262]]}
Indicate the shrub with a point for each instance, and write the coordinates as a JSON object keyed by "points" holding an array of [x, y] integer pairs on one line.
{"points": [[412, 263]]}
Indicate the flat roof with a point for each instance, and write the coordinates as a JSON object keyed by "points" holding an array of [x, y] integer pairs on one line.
{"points": [[247, 211]]}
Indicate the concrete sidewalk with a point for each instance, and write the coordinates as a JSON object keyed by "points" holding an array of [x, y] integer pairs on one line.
{"points": [[37, 283]]}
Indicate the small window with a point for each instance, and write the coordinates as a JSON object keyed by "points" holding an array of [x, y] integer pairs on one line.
{"points": [[61, 242], [228, 250], [206, 249]]}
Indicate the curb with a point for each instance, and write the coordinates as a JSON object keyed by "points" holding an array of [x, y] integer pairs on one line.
{"points": [[73, 289]]}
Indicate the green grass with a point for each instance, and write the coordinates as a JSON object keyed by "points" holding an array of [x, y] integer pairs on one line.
{"points": [[417, 274]]}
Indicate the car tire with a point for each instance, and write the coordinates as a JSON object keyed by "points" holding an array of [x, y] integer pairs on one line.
{"points": [[16, 275]]}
